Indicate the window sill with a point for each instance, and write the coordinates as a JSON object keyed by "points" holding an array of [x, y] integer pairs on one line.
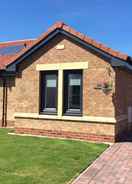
{"points": [[71, 118]]}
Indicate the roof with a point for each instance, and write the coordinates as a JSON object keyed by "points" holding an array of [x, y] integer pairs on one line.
{"points": [[6, 60]]}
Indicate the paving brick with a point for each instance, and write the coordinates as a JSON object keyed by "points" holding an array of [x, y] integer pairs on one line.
{"points": [[116, 169]]}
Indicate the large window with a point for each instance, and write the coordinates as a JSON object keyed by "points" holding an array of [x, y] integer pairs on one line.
{"points": [[49, 92], [73, 92]]}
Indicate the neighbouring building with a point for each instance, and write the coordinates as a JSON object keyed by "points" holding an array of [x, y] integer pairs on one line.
{"points": [[64, 84]]}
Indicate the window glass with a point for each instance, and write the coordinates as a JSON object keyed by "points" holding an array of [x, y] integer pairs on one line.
{"points": [[73, 91], [49, 92], [51, 80]]}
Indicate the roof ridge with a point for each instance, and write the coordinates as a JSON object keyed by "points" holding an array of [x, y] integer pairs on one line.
{"points": [[12, 41]]}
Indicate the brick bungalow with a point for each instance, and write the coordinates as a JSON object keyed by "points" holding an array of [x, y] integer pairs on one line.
{"points": [[64, 84]]}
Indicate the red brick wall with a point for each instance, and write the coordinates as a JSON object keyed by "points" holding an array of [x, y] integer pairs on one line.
{"points": [[69, 135], [68, 129]]}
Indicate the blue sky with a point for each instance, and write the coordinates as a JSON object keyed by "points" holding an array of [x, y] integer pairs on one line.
{"points": [[108, 21]]}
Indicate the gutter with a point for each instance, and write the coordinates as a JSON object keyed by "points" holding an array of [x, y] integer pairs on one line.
{"points": [[120, 63]]}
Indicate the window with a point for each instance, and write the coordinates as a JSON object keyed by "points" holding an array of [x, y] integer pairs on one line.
{"points": [[73, 92], [49, 92]]}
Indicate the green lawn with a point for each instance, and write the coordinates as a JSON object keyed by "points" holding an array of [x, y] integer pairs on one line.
{"points": [[31, 160]]}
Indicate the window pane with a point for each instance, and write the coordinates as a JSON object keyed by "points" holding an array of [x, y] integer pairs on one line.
{"points": [[51, 80], [50, 98], [75, 81], [72, 91], [50, 91], [74, 97]]}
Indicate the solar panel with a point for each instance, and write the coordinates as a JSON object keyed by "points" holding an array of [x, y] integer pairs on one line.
{"points": [[10, 50]]}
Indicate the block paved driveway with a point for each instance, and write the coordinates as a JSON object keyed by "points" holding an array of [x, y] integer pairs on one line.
{"points": [[114, 166]]}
